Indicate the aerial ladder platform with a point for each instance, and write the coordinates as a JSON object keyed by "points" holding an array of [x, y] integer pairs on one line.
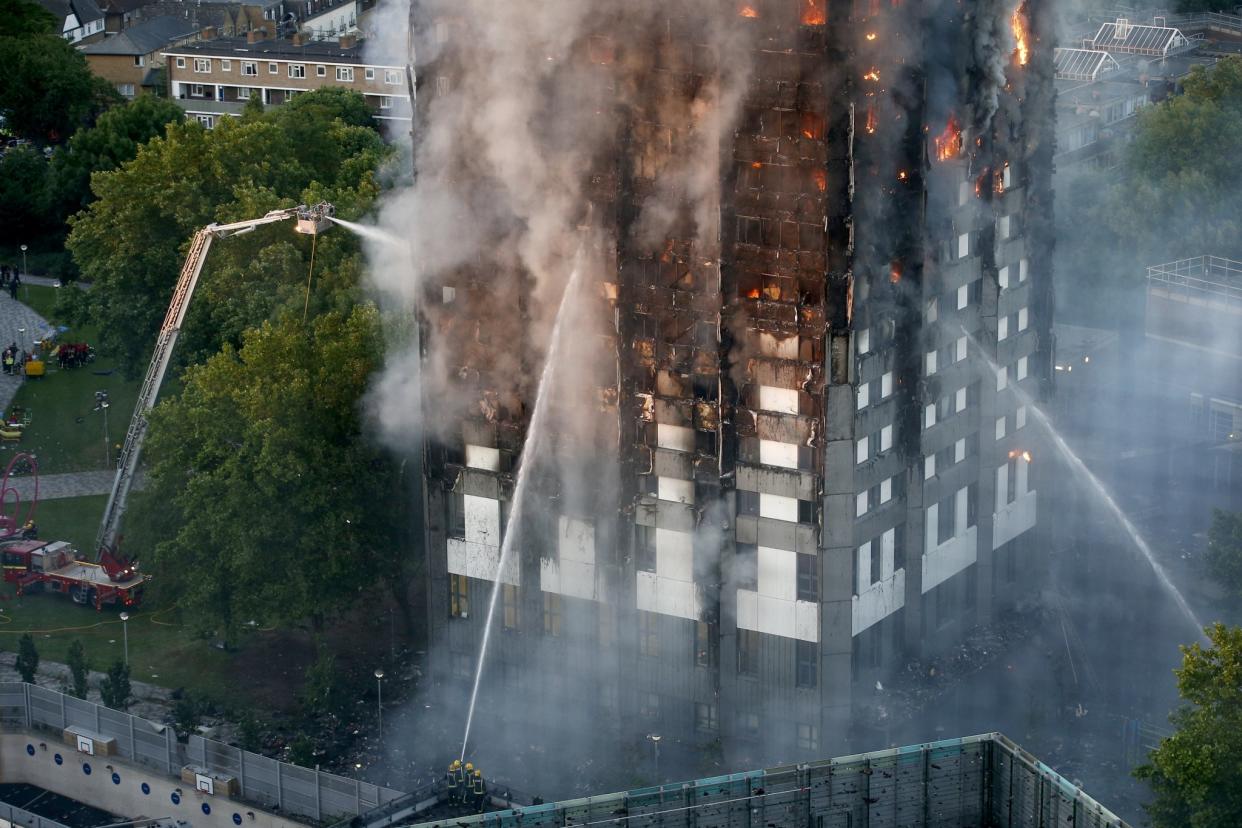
{"points": [[310, 221]]}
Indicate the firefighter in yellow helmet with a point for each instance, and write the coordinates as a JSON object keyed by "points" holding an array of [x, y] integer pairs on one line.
{"points": [[478, 791], [454, 778], [467, 778]]}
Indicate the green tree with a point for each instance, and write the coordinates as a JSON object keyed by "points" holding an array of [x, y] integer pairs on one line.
{"points": [[23, 194], [22, 18], [48, 90], [113, 140], [302, 751], [249, 732], [1224, 552], [286, 508], [1179, 193], [1196, 774], [324, 690], [27, 659], [187, 712], [115, 688], [79, 670], [131, 240]]}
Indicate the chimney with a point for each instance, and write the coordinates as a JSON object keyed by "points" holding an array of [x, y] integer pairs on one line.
{"points": [[1158, 22], [255, 35], [348, 41], [297, 39], [208, 33]]}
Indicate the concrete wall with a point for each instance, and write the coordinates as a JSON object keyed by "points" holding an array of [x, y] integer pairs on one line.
{"points": [[120, 790]]}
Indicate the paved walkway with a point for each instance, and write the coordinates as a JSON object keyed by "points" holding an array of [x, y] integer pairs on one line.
{"points": [[19, 324], [71, 484]]}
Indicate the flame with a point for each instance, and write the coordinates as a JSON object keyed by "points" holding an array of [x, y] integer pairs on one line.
{"points": [[756, 165], [753, 293], [870, 35], [949, 142], [1026, 455], [821, 180], [1017, 22], [901, 175], [812, 126], [747, 10], [873, 75], [894, 272], [813, 13], [871, 120]]}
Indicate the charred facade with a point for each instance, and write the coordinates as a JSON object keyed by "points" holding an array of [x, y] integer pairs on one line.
{"points": [[775, 464]]}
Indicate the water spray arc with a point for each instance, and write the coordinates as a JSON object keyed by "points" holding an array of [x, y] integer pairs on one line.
{"points": [[1098, 487], [534, 440], [369, 233]]}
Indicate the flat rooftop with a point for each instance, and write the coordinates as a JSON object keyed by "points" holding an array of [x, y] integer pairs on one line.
{"points": [[325, 51], [982, 780]]}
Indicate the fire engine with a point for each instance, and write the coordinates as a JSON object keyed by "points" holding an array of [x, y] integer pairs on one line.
{"points": [[37, 565]]}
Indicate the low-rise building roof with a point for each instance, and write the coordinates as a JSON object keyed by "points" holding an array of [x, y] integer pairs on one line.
{"points": [[143, 38], [239, 48], [1083, 64]]}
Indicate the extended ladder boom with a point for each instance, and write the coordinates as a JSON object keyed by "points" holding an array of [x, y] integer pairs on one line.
{"points": [[311, 220]]}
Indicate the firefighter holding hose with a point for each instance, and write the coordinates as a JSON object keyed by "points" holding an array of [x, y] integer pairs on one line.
{"points": [[478, 791], [455, 777]]}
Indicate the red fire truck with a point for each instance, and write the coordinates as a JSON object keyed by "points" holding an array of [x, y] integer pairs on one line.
{"points": [[36, 565]]}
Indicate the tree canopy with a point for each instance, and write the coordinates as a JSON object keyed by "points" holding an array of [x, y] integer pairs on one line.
{"points": [[19, 18], [286, 510], [113, 140], [48, 90], [1179, 193], [131, 240], [1196, 774], [1224, 553]]}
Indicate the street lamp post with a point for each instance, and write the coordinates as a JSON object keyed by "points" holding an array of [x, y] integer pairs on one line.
{"points": [[655, 747], [24, 274], [125, 634], [379, 699], [102, 404]]}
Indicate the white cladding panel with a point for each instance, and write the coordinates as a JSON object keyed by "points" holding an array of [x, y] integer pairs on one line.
{"points": [[477, 560], [482, 457], [778, 507], [781, 400], [778, 573], [775, 616], [675, 438], [773, 453], [675, 490], [482, 520], [671, 590], [1014, 519], [879, 601], [950, 558]]}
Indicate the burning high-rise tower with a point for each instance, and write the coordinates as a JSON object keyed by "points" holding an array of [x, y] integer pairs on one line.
{"points": [[772, 462]]}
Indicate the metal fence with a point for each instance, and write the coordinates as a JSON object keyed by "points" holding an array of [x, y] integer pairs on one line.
{"points": [[1210, 277], [977, 780], [26, 819], [262, 781]]}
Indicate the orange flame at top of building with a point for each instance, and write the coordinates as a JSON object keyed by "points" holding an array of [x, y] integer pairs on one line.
{"points": [[747, 10], [949, 142], [813, 13], [1017, 22]]}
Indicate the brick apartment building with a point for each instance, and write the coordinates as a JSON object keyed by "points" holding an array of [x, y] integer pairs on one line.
{"points": [[216, 77]]}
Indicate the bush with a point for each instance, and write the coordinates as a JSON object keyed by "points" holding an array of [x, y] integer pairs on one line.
{"points": [[27, 659], [79, 670], [115, 688]]}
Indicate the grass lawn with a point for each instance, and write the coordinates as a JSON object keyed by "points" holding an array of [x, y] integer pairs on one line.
{"points": [[65, 432], [73, 519]]}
